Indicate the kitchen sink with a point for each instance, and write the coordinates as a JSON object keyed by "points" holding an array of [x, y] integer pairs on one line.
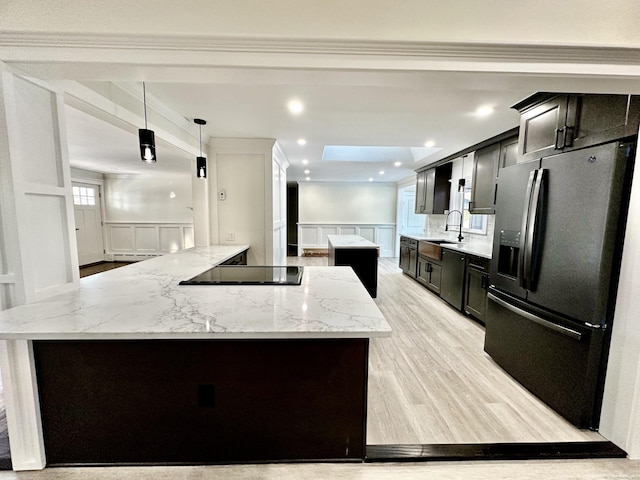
{"points": [[431, 248]]}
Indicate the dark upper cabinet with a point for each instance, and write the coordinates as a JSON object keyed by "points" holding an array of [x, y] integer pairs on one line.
{"points": [[433, 189], [550, 123], [486, 162], [483, 183], [509, 152]]}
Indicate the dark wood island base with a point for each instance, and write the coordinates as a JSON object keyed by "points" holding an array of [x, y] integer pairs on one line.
{"points": [[202, 401]]}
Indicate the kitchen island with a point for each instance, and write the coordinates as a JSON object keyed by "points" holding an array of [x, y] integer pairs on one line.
{"points": [[358, 253], [133, 368]]}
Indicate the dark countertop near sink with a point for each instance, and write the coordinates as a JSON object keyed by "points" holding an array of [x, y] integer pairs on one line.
{"points": [[480, 249]]}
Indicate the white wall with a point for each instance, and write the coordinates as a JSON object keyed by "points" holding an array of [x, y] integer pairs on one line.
{"points": [[329, 202], [620, 420], [334, 208], [158, 199], [573, 22], [244, 171]]}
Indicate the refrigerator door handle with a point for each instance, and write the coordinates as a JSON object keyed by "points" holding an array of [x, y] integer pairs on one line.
{"points": [[534, 318], [534, 218], [522, 260]]}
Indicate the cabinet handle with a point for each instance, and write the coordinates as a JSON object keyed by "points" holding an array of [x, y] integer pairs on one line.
{"points": [[568, 136], [559, 145]]}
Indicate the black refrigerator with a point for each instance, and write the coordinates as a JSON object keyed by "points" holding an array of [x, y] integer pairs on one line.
{"points": [[559, 228]]}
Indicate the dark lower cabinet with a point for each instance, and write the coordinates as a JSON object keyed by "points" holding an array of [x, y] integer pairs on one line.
{"points": [[429, 273], [476, 285], [202, 401], [239, 259], [408, 256], [452, 288], [364, 262]]}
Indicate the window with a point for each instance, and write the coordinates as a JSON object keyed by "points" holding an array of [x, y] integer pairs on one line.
{"points": [[470, 223], [84, 196], [460, 196]]}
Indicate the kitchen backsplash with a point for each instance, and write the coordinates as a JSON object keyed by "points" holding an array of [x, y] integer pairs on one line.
{"points": [[435, 228]]}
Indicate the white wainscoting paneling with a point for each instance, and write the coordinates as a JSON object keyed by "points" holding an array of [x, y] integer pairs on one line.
{"points": [[136, 241], [314, 235]]}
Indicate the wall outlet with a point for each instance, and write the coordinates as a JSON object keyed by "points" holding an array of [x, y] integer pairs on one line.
{"points": [[222, 195], [229, 237]]}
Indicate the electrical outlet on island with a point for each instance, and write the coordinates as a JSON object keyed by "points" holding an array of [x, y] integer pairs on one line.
{"points": [[229, 237]]}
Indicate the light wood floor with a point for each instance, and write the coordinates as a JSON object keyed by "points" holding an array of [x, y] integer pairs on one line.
{"points": [[620, 469], [431, 381]]}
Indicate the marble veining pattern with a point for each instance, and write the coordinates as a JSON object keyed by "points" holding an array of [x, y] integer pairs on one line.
{"points": [[144, 300], [474, 248], [350, 241]]}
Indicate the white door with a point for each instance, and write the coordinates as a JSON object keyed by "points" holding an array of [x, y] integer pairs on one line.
{"points": [[86, 205]]}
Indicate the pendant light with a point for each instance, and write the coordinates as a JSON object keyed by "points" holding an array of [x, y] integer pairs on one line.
{"points": [[461, 181], [201, 162], [147, 137]]}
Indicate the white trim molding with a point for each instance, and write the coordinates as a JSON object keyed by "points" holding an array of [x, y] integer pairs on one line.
{"points": [[140, 240], [314, 235]]}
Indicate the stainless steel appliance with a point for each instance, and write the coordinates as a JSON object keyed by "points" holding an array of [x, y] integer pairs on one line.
{"points": [[557, 248]]}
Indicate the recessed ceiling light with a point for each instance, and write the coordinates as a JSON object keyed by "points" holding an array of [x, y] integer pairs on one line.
{"points": [[381, 172], [306, 172], [302, 141], [371, 179], [484, 111], [430, 144], [397, 164], [295, 106], [308, 178], [305, 161]]}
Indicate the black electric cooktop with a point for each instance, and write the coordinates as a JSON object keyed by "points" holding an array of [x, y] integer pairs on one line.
{"points": [[247, 275]]}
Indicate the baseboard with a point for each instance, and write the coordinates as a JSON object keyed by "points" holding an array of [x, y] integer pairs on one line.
{"points": [[492, 451]]}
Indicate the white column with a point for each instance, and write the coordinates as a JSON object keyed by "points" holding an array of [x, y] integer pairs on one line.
{"points": [[22, 405]]}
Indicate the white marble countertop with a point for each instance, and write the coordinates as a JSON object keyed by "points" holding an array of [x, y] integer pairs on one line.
{"points": [[350, 241], [144, 301], [472, 248], [480, 250]]}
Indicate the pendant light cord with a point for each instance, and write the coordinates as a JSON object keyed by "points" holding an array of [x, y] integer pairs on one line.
{"points": [[144, 101], [200, 139]]}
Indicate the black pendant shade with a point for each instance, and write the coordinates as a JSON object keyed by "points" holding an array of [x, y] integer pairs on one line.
{"points": [[201, 162], [147, 137], [147, 145], [201, 167]]}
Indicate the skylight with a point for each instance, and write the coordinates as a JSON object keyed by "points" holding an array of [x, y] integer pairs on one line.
{"points": [[347, 153]]}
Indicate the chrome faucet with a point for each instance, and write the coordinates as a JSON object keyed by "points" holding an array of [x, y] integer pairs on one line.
{"points": [[446, 225]]}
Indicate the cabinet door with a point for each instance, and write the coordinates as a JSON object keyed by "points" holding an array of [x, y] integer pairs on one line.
{"points": [[485, 169], [429, 190], [441, 188], [435, 277], [476, 294], [509, 152], [421, 185], [542, 129], [422, 273], [413, 261], [452, 285], [595, 119], [404, 257]]}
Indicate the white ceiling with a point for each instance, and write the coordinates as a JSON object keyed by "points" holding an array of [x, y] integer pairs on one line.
{"points": [[342, 108]]}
